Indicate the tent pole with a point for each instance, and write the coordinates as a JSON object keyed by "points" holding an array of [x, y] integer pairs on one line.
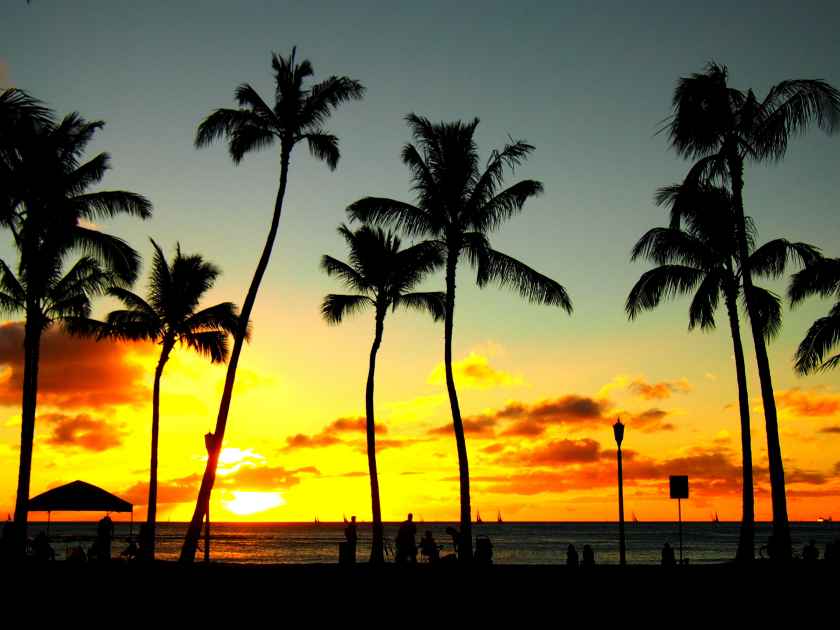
{"points": [[131, 526], [49, 518]]}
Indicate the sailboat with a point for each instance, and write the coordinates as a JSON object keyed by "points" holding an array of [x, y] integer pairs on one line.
{"points": [[317, 522], [499, 517], [716, 520], [478, 517], [635, 520]]}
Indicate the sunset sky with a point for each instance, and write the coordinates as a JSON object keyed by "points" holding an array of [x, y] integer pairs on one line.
{"points": [[589, 85]]}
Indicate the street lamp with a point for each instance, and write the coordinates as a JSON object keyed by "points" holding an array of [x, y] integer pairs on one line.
{"points": [[618, 430]]}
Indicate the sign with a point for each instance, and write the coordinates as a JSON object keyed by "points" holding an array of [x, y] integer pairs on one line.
{"points": [[679, 486]]}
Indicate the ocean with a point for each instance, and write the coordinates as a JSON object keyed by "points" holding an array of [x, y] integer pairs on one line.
{"points": [[513, 543]]}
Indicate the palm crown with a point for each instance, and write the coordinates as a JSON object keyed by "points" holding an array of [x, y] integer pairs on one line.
{"points": [[298, 114], [169, 313], [382, 273], [819, 279], [458, 204]]}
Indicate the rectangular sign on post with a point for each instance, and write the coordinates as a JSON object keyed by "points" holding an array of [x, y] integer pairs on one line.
{"points": [[679, 486]]}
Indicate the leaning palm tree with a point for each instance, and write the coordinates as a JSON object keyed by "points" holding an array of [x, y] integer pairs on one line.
{"points": [[725, 128], [47, 202], [169, 316], [821, 278], [384, 276], [458, 205], [699, 258], [298, 115]]}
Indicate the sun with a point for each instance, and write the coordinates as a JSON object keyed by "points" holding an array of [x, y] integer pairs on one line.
{"points": [[245, 503]]}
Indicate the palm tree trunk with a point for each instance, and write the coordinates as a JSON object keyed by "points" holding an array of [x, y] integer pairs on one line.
{"points": [[746, 539], [465, 549], [781, 547], [203, 501], [377, 550], [31, 352], [148, 545]]}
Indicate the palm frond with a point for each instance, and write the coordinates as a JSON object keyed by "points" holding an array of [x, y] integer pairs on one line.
{"points": [[404, 217], [433, 303], [701, 312], [324, 146], [113, 253], [223, 317], [822, 336], [212, 344], [490, 214], [771, 259], [765, 308], [820, 278], [111, 203], [661, 283], [506, 271], [351, 278], [336, 307]]}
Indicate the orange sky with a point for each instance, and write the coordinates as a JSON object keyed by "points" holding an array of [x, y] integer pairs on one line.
{"points": [[540, 437]]}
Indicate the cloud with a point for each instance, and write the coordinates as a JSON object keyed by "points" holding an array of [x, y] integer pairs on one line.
{"points": [[73, 373], [650, 420], [180, 490], [333, 434], [808, 403], [474, 372], [82, 431], [661, 390], [476, 426], [833, 429], [557, 452]]}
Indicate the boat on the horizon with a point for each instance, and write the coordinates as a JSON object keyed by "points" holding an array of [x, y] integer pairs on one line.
{"points": [[478, 517], [635, 520], [716, 520], [824, 519], [499, 517]]}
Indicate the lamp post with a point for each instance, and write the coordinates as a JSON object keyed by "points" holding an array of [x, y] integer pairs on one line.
{"points": [[618, 430]]}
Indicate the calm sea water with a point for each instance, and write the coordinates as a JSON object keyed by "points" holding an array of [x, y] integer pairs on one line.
{"points": [[513, 543]]}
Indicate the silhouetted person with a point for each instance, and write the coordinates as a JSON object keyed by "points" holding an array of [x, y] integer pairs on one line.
{"points": [[588, 556], [810, 553], [455, 534], [483, 550], [131, 552], [406, 541], [104, 535], [429, 548], [668, 558], [351, 536], [571, 556], [41, 547]]}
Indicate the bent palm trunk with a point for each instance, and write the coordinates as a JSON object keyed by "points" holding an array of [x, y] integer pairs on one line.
{"points": [[215, 446], [746, 539], [31, 352], [781, 547], [377, 551], [151, 514], [465, 549]]}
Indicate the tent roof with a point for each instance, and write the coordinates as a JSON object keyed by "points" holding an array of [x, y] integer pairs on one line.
{"points": [[78, 496]]}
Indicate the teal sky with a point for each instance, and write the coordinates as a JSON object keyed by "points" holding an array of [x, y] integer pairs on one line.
{"points": [[587, 83]]}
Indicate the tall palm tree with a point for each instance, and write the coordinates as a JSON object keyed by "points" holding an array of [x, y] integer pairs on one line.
{"points": [[700, 258], [725, 128], [821, 278], [46, 202], [168, 316], [298, 115], [384, 277], [458, 205]]}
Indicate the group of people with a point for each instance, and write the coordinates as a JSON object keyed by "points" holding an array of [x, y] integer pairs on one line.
{"points": [[406, 547], [573, 560]]}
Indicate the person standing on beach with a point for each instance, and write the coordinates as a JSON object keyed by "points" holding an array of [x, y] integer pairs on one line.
{"points": [[352, 537], [406, 541], [571, 556], [104, 534]]}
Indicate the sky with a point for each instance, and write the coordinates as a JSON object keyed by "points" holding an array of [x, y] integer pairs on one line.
{"points": [[589, 84]]}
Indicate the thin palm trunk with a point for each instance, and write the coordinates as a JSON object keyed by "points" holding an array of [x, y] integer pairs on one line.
{"points": [[151, 514], [377, 551], [746, 539], [465, 549], [203, 502], [781, 548], [31, 352]]}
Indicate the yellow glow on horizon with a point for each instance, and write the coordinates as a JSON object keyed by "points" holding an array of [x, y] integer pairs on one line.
{"points": [[246, 503]]}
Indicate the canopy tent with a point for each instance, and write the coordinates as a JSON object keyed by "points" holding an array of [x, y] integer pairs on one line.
{"points": [[78, 496]]}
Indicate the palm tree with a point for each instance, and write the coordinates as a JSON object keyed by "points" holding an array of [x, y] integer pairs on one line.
{"points": [[169, 316], [458, 205], [384, 277], [725, 128], [821, 278], [700, 258], [45, 204], [298, 115]]}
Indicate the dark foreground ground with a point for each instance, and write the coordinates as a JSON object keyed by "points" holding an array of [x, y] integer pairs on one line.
{"points": [[415, 594]]}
